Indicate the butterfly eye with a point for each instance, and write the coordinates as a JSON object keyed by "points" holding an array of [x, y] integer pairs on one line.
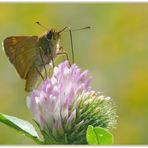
{"points": [[49, 35]]}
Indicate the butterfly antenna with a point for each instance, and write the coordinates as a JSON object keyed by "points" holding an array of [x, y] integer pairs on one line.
{"points": [[42, 26], [62, 30], [87, 27]]}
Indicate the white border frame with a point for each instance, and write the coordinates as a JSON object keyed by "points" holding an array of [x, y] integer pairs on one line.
{"points": [[74, 1]]}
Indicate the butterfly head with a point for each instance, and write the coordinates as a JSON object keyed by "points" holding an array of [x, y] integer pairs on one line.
{"points": [[53, 35]]}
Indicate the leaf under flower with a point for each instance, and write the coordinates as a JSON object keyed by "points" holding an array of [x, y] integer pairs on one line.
{"points": [[20, 125], [98, 135]]}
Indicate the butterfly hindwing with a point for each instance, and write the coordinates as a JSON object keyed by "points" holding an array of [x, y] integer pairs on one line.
{"points": [[32, 78]]}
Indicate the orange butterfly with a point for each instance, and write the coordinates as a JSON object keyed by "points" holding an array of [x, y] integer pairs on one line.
{"points": [[30, 54]]}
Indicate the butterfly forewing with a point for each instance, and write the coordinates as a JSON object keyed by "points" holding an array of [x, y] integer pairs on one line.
{"points": [[26, 55], [23, 53], [10, 46]]}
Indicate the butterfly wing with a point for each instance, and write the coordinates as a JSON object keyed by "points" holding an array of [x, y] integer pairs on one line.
{"points": [[9, 45], [32, 77], [27, 55], [23, 53]]}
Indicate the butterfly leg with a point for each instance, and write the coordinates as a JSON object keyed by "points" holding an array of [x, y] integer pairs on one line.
{"points": [[39, 73], [41, 55], [71, 40], [62, 50], [52, 60], [66, 54]]}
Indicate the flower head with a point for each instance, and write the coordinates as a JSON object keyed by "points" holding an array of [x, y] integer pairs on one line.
{"points": [[64, 105]]}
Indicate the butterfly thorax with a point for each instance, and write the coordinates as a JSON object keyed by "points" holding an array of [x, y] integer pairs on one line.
{"points": [[49, 44]]}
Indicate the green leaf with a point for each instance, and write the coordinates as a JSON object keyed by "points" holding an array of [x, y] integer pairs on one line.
{"points": [[98, 135], [91, 136], [21, 125], [105, 137]]}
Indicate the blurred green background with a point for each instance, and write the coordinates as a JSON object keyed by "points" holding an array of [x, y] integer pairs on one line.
{"points": [[115, 51]]}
